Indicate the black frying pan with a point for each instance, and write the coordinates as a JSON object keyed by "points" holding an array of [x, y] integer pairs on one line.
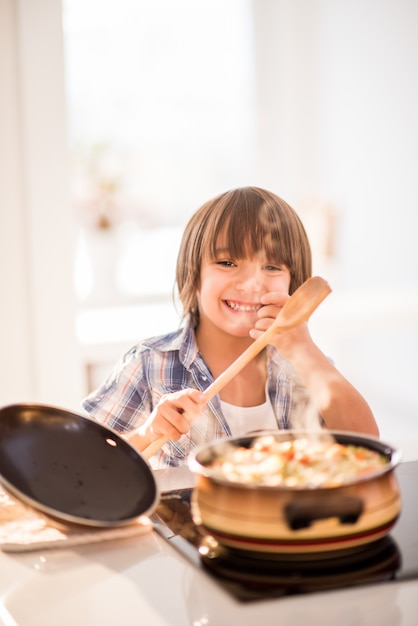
{"points": [[72, 467]]}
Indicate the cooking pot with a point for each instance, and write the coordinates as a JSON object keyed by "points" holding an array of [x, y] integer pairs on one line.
{"points": [[72, 467], [284, 519]]}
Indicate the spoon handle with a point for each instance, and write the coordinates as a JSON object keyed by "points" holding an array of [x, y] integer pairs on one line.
{"points": [[236, 366]]}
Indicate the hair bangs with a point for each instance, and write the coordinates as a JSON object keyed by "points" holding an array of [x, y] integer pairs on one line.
{"points": [[259, 232]]}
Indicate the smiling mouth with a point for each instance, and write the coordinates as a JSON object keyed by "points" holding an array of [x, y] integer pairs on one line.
{"points": [[245, 308]]}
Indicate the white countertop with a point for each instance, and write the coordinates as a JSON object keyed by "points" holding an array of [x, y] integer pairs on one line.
{"points": [[144, 580]]}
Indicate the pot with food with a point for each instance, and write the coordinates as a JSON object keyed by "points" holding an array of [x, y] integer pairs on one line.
{"points": [[296, 491]]}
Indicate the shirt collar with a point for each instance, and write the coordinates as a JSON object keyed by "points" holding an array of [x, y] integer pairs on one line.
{"points": [[182, 341]]}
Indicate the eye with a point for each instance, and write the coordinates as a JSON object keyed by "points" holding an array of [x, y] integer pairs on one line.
{"points": [[274, 268], [225, 263]]}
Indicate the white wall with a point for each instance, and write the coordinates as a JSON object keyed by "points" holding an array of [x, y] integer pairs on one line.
{"points": [[338, 101], [38, 352]]}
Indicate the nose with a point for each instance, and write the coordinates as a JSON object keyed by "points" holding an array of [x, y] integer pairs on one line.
{"points": [[250, 278]]}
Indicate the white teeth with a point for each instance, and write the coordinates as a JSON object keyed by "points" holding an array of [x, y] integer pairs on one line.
{"points": [[243, 307]]}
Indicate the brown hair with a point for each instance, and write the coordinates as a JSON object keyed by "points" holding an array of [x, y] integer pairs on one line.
{"points": [[251, 219]]}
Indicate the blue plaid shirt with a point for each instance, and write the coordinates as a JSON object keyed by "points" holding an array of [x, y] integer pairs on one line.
{"points": [[166, 364]]}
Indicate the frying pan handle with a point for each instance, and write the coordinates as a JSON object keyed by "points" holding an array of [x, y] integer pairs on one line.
{"points": [[301, 514]]}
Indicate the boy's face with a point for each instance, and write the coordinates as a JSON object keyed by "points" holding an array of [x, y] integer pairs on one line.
{"points": [[231, 289]]}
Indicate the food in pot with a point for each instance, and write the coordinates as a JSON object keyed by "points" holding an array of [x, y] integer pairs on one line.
{"points": [[302, 462]]}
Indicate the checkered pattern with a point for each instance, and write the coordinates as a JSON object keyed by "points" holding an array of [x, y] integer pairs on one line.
{"points": [[165, 364]]}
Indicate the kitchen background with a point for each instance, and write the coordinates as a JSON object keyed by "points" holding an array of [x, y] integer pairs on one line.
{"points": [[119, 118]]}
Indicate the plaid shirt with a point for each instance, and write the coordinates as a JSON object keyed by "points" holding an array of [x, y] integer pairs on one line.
{"points": [[167, 364]]}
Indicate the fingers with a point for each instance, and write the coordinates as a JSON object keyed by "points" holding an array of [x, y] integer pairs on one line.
{"points": [[175, 412], [287, 342], [272, 304]]}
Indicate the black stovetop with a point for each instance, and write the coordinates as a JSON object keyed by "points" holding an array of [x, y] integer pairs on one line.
{"points": [[251, 577]]}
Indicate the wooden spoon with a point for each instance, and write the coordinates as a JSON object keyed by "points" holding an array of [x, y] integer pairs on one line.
{"points": [[301, 304]]}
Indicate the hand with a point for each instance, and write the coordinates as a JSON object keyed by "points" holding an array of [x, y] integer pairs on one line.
{"points": [[289, 342], [173, 415]]}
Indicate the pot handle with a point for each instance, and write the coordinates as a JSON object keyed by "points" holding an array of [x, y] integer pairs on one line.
{"points": [[301, 514]]}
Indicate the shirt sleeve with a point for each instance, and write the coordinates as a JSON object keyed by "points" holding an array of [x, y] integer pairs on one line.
{"points": [[123, 401]]}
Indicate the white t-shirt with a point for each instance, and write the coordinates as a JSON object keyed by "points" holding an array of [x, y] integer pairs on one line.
{"points": [[245, 419]]}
